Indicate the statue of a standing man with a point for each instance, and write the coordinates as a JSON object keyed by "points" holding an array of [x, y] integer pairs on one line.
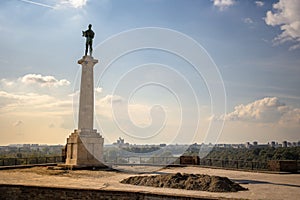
{"points": [[89, 34]]}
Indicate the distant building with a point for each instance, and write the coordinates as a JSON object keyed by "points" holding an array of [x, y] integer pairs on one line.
{"points": [[121, 142], [256, 145], [284, 144], [248, 145], [273, 144], [294, 144], [237, 146]]}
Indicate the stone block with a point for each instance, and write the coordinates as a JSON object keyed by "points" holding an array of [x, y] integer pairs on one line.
{"points": [[84, 149], [283, 165], [189, 160]]}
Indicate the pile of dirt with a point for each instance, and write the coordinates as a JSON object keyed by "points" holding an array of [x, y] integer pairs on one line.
{"points": [[186, 181]]}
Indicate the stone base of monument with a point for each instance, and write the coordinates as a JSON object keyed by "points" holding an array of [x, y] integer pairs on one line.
{"points": [[84, 150]]}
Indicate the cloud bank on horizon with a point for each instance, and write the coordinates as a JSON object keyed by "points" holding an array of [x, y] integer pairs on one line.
{"points": [[30, 104], [269, 110]]}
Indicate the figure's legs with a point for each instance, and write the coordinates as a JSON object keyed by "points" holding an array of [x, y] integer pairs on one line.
{"points": [[91, 48], [86, 49]]}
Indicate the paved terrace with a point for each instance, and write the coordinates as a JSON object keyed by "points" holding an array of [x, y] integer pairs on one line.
{"points": [[260, 185]]}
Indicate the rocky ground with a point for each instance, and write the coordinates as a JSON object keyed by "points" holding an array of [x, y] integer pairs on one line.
{"points": [[199, 182]]}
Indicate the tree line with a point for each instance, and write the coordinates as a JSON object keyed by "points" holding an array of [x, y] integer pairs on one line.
{"points": [[255, 154]]}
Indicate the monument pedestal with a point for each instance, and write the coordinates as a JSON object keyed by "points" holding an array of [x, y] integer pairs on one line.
{"points": [[84, 149]]}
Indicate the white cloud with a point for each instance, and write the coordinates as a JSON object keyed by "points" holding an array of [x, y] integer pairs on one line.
{"points": [[74, 94], [223, 4], [7, 82], [286, 15], [259, 3], [109, 99], [135, 112], [29, 98], [103, 106], [98, 90], [31, 93], [43, 81], [18, 123], [248, 20], [31, 103], [266, 110], [73, 3]]}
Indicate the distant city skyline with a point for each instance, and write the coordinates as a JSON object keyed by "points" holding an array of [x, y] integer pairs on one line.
{"points": [[254, 45], [253, 143]]}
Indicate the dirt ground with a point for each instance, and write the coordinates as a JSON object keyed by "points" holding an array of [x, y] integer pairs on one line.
{"points": [[260, 185]]}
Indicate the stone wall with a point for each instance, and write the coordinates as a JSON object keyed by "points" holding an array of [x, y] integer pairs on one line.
{"points": [[283, 165], [189, 160], [16, 192]]}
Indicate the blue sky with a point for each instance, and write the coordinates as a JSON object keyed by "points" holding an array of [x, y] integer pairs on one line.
{"points": [[255, 46]]}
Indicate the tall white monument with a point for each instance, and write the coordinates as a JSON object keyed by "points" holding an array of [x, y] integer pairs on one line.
{"points": [[85, 145]]}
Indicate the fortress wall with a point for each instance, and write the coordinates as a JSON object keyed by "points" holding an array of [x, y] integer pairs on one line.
{"points": [[15, 192]]}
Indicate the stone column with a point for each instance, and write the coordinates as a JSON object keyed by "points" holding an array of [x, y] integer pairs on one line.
{"points": [[86, 101]]}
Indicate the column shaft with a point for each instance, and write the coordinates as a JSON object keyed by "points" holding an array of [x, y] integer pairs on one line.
{"points": [[86, 100]]}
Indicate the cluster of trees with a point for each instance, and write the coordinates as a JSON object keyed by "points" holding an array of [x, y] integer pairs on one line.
{"points": [[146, 154], [26, 152], [142, 149], [155, 154], [255, 154]]}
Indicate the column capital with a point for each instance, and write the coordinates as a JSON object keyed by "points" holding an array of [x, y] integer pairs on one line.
{"points": [[87, 59]]}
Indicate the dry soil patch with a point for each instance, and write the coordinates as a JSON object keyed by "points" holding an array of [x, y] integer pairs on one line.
{"points": [[199, 182]]}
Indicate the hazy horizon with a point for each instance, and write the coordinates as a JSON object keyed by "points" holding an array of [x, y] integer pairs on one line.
{"points": [[251, 142]]}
